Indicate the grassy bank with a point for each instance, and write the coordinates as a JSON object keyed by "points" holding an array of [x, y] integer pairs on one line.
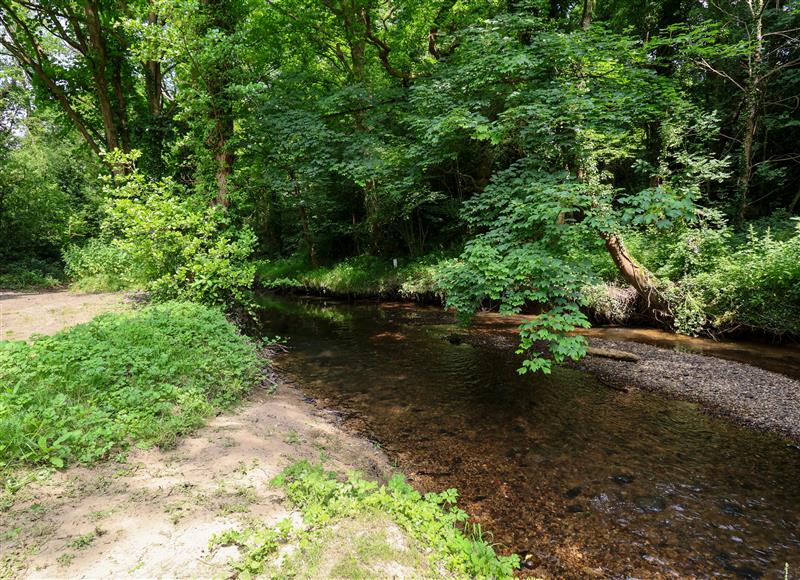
{"points": [[362, 276], [143, 378]]}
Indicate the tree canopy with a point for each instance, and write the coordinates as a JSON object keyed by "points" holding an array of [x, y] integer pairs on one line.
{"points": [[540, 149]]}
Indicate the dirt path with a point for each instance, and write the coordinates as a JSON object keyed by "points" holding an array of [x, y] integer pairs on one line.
{"points": [[22, 314], [152, 515]]}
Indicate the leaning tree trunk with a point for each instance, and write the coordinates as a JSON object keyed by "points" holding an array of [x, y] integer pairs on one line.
{"points": [[645, 283]]}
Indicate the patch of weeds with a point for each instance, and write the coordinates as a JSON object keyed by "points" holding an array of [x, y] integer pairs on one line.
{"points": [[433, 520], [238, 502], [183, 487], [292, 438], [233, 508], [143, 377], [86, 539], [98, 515], [256, 543], [323, 452], [65, 559], [11, 534], [11, 483], [176, 511], [243, 467], [357, 548]]}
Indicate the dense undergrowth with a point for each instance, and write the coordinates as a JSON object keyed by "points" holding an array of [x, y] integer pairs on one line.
{"points": [[325, 500], [141, 377], [30, 274], [157, 236]]}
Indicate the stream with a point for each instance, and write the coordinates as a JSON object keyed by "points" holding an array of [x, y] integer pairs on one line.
{"points": [[582, 480]]}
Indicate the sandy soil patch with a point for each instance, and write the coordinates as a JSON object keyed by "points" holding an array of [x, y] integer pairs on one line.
{"points": [[22, 314], [153, 513]]}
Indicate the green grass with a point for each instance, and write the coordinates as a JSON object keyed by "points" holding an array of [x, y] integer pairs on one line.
{"points": [[359, 276], [142, 377], [331, 507]]}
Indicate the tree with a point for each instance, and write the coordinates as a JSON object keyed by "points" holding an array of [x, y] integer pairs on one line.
{"points": [[574, 106]]}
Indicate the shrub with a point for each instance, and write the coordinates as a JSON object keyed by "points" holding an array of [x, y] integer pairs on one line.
{"points": [[99, 266], [157, 234], [723, 279], [30, 273], [756, 284], [143, 377]]}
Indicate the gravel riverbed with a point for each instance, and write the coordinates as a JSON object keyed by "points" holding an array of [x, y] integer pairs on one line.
{"points": [[755, 397]]}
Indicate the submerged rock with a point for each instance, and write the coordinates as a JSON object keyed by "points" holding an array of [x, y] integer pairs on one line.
{"points": [[648, 503]]}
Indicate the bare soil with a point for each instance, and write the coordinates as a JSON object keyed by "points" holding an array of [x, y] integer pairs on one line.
{"points": [[153, 513], [25, 314]]}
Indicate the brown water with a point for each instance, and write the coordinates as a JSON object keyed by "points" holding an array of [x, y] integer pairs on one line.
{"points": [[584, 480]]}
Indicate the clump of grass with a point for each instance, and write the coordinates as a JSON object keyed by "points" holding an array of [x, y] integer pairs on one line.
{"points": [[433, 520], [86, 539], [142, 377]]}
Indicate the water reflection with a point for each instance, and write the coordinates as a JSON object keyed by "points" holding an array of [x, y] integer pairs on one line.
{"points": [[582, 479]]}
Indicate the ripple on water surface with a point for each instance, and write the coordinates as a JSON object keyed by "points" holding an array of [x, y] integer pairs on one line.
{"points": [[581, 479]]}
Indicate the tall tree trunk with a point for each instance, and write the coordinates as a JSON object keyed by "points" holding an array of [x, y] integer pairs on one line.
{"points": [[218, 78], [108, 74], [588, 13], [153, 77], [308, 236], [224, 159], [752, 106], [99, 61]]}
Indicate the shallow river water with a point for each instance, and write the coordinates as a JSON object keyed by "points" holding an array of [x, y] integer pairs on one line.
{"points": [[583, 480]]}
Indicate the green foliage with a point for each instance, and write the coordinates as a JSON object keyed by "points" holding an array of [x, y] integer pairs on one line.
{"points": [[724, 279], [98, 266], [175, 244], [48, 193], [142, 377], [30, 273], [349, 133], [432, 519], [258, 545]]}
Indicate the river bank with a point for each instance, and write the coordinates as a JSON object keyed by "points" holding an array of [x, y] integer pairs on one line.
{"points": [[746, 394], [154, 513], [249, 490]]}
